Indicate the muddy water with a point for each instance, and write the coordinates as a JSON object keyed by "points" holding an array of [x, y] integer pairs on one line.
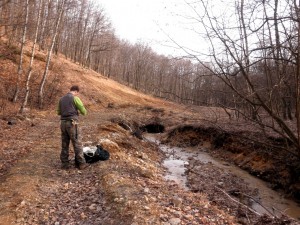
{"points": [[271, 200]]}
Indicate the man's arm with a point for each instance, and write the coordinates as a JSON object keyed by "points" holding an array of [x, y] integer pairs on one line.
{"points": [[79, 105]]}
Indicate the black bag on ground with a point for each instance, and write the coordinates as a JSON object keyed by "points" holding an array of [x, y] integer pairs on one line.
{"points": [[99, 155]]}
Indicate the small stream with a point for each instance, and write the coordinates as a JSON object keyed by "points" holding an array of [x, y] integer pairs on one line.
{"points": [[177, 158]]}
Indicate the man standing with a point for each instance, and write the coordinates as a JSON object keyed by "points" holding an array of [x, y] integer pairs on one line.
{"points": [[68, 108]]}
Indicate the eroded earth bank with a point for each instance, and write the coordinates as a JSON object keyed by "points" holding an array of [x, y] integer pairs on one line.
{"points": [[130, 187]]}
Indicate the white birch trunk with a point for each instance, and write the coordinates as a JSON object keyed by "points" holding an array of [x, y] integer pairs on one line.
{"points": [[41, 89], [20, 67], [32, 58]]}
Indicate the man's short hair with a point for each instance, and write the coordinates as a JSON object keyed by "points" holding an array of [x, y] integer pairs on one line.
{"points": [[74, 88]]}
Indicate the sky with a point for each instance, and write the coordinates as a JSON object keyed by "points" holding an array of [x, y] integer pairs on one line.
{"points": [[153, 22]]}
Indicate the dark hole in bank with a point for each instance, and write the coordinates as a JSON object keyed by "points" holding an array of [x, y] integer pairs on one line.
{"points": [[153, 128]]}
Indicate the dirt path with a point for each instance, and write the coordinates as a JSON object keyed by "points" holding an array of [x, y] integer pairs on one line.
{"points": [[127, 189], [19, 187]]}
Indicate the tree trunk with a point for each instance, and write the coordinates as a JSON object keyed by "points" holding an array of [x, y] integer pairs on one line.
{"points": [[297, 9], [31, 59], [20, 66], [41, 89]]}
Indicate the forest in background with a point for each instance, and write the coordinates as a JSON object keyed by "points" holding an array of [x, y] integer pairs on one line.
{"points": [[252, 70]]}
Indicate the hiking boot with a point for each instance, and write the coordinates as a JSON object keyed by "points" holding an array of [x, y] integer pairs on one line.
{"points": [[65, 166], [77, 164], [83, 166]]}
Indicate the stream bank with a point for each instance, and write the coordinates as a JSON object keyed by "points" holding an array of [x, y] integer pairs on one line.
{"points": [[263, 159], [231, 187]]}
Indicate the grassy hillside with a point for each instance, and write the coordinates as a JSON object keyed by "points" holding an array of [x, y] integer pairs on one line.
{"points": [[96, 90]]}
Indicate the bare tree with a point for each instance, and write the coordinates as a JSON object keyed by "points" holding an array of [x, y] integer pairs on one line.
{"points": [[24, 104], [260, 41], [57, 22], [20, 66], [296, 7]]}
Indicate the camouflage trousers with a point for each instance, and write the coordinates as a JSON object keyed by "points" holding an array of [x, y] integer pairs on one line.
{"points": [[70, 132]]}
